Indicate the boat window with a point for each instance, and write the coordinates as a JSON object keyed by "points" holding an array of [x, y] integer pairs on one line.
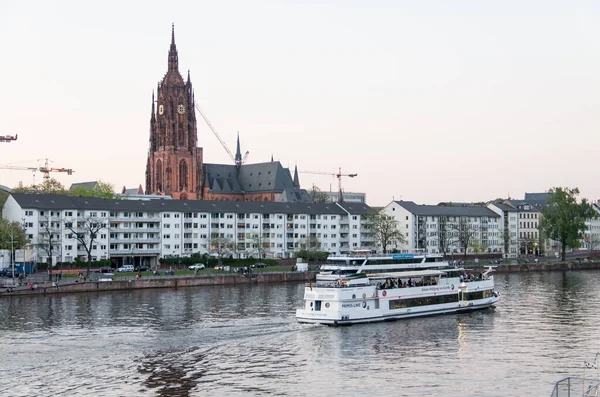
{"points": [[317, 305], [422, 301]]}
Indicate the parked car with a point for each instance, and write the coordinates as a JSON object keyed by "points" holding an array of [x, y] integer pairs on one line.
{"points": [[141, 268], [5, 272], [197, 266], [259, 265], [126, 268]]}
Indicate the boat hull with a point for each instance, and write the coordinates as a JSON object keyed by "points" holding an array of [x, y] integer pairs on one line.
{"points": [[309, 317]]}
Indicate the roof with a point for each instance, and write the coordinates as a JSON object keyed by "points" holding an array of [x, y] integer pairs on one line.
{"points": [[437, 210], [295, 196], [60, 202], [533, 206], [249, 178], [357, 208], [87, 185], [504, 207], [537, 196]]}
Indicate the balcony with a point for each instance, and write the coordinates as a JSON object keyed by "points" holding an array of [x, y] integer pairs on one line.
{"points": [[137, 252]]}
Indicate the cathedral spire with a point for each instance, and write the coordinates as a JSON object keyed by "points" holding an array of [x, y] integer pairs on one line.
{"points": [[153, 117], [271, 157], [238, 152], [296, 181], [173, 60]]}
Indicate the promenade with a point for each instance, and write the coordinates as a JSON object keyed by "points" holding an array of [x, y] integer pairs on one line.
{"points": [[38, 283]]}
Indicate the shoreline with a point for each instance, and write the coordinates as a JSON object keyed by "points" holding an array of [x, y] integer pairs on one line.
{"points": [[73, 286]]}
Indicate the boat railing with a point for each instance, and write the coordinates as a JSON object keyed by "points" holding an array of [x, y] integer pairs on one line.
{"points": [[417, 252], [576, 386]]}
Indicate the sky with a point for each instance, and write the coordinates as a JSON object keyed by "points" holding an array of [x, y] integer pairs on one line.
{"points": [[426, 101]]}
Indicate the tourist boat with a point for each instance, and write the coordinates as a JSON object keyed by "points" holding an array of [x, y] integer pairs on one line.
{"points": [[367, 262], [363, 297]]}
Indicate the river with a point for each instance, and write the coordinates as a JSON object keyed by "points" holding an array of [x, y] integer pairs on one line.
{"points": [[244, 340]]}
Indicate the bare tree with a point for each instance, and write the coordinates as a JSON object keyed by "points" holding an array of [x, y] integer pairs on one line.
{"points": [[221, 246], [385, 230], [445, 236], [464, 233], [86, 232], [49, 240], [259, 245]]}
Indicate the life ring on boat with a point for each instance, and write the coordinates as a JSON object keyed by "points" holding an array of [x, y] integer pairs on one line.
{"points": [[327, 305], [364, 304], [364, 295], [384, 293], [372, 294]]}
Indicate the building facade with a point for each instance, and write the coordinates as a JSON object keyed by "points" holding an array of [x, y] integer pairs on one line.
{"points": [[447, 229], [143, 231]]}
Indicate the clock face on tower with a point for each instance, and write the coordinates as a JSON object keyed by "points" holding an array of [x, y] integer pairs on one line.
{"points": [[161, 109], [181, 109]]}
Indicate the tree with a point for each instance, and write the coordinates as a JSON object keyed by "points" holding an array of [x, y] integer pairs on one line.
{"points": [[258, 243], [445, 236], [3, 197], [564, 218], [12, 235], [221, 246], [464, 233], [49, 240], [49, 186], [86, 232], [318, 196], [101, 189], [385, 230], [479, 247]]}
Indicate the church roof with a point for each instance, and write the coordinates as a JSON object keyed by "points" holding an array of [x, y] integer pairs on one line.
{"points": [[250, 178]]}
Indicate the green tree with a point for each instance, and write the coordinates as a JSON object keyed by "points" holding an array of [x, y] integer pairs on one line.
{"points": [[3, 197], [564, 218], [385, 230], [12, 235], [102, 190], [445, 236], [318, 196], [49, 186]]}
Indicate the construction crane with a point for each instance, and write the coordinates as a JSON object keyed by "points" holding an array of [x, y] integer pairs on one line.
{"points": [[8, 138], [338, 175], [212, 128], [45, 169]]}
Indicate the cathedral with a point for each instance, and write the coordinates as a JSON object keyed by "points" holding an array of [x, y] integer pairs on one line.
{"points": [[175, 165]]}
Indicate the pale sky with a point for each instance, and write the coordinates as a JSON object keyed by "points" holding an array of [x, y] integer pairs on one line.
{"points": [[427, 101]]}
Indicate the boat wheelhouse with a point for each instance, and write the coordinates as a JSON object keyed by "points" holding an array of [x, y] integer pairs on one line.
{"points": [[363, 297], [343, 265]]}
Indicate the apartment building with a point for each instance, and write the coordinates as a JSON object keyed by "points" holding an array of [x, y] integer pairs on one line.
{"points": [[510, 228], [444, 228], [143, 231]]}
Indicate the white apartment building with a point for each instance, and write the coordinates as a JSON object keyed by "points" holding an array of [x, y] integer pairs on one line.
{"points": [[143, 231], [430, 227], [529, 215], [591, 236], [510, 228]]}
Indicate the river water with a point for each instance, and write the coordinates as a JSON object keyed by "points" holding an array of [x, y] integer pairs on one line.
{"points": [[244, 340]]}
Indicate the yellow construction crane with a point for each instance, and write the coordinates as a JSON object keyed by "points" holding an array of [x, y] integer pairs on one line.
{"points": [[45, 169], [338, 175]]}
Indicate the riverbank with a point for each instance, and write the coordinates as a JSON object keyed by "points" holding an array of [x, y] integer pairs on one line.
{"points": [[70, 285]]}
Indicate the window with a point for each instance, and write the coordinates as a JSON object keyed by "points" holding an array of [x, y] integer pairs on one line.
{"points": [[28, 213]]}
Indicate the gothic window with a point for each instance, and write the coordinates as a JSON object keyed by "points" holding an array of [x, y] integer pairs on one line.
{"points": [[183, 175], [159, 176]]}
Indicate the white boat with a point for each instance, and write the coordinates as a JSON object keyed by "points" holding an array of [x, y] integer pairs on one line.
{"points": [[363, 298], [360, 262]]}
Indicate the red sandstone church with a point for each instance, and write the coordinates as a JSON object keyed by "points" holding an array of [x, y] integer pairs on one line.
{"points": [[175, 165]]}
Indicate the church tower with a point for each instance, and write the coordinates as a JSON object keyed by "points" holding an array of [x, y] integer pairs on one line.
{"points": [[174, 161]]}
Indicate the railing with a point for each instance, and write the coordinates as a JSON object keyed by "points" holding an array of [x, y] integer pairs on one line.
{"points": [[576, 386]]}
